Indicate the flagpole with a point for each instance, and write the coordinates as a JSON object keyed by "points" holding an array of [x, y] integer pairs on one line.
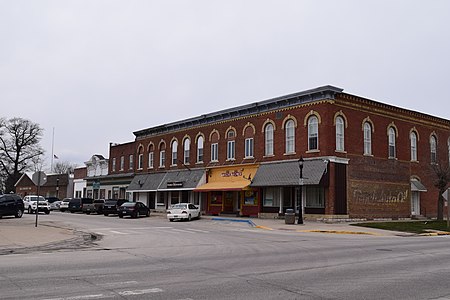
{"points": [[53, 144]]}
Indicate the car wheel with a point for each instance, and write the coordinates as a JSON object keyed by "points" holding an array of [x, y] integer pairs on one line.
{"points": [[148, 213], [121, 216], [19, 213], [105, 214], [189, 217], [199, 215], [171, 220], [47, 212], [88, 212], [30, 211]]}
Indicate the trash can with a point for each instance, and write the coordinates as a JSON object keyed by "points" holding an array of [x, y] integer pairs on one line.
{"points": [[289, 216]]}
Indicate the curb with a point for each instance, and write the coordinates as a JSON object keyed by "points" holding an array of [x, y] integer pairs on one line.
{"points": [[250, 222]]}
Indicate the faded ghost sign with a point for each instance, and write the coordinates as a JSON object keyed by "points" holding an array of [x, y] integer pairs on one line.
{"points": [[379, 193]]}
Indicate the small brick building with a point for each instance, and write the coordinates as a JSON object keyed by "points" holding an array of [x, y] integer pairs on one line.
{"points": [[362, 158]]}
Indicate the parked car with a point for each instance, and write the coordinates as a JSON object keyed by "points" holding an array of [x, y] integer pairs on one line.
{"points": [[50, 200], [96, 206], [134, 210], [76, 204], [111, 206], [11, 205], [64, 205], [33, 202], [183, 211], [55, 205]]}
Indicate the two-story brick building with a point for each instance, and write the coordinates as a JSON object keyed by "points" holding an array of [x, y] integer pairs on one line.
{"points": [[362, 158]]}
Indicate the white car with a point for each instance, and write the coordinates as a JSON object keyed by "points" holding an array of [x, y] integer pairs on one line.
{"points": [[64, 205], [183, 211], [30, 204]]}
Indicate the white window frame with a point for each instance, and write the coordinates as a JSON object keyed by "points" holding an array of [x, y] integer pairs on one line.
{"points": [[392, 151], [231, 150], [340, 134], [200, 149], [140, 161], [268, 137], [162, 158], [433, 149], [186, 153], [413, 139], [151, 159], [367, 138], [114, 164], [290, 137], [131, 161], [122, 163], [249, 148], [313, 133], [214, 152], [174, 153]]}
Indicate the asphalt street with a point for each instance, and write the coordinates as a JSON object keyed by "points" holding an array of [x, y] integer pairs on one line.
{"points": [[151, 258]]}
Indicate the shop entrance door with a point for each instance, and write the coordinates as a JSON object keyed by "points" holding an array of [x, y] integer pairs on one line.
{"points": [[415, 203], [228, 204]]}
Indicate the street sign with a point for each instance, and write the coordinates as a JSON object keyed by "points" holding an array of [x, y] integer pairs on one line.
{"points": [[445, 195], [39, 178]]}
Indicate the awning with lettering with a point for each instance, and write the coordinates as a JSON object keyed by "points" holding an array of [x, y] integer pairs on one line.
{"points": [[417, 186], [230, 178], [182, 180], [287, 173]]}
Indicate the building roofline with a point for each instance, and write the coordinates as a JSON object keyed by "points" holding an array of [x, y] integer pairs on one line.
{"points": [[320, 93]]}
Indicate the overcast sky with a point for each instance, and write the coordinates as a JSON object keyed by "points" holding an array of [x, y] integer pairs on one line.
{"points": [[96, 71]]}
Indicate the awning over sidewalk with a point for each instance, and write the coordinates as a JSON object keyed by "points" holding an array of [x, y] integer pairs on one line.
{"points": [[182, 180], [417, 186], [230, 178], [176, 180], [146, 182], [287, 173]]}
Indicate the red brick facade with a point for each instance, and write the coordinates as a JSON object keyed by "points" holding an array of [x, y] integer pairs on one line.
{"points": [[376, 186]]}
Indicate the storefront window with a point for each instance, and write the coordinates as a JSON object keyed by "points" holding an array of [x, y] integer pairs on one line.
{"points": [[272, 197], [250, 198], [216, 198], [315, 197], [174, 197]]}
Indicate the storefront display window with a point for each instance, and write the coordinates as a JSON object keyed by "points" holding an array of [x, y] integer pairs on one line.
{"points": [[250, 198], [216, 198], [315, 197], [272, 197]]}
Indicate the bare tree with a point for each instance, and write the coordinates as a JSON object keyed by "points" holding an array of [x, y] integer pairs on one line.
{"points": [[442, 172], [19, 145], [64, 167]]}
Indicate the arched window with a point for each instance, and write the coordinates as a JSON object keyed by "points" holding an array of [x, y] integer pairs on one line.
{"points": [[140, 158], [174, 153], [290, 137], [268, 135], [151, 157], [231, 144], [200, 149], [433, 148], [162, 155], [367, 138], [340, 134], [413, 138], [249, 133], [392, 150], [313, 133], [187, 148]]}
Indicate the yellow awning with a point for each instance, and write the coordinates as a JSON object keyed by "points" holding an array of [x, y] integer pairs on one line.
{"points": [[223, 186], [229, 178]]}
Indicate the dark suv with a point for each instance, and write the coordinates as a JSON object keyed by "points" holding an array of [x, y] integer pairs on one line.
{"points": [[111, 206], [76, 204], [11, 205]]}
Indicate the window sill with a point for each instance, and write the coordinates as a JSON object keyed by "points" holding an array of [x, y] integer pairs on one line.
{"points": [[249, 157], [229, 159], [368, 155], [267, 156], [290, 153], [340, 151], [199, 163], [393, 158], [313, 151], [415, 161], [214, 161]]}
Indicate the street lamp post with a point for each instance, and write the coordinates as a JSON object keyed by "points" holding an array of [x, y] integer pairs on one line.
{"points": [[300, 200]]}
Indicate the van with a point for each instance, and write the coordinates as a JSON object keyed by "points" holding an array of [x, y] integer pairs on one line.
{"points": [[76, 204]]}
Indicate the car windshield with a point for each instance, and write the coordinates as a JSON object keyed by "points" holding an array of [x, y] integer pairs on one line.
{"points": [[35, 198], [179, 206], [129, 204]]}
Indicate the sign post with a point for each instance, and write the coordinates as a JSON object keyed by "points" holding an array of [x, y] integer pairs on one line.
{"points": [[446, 196]]}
